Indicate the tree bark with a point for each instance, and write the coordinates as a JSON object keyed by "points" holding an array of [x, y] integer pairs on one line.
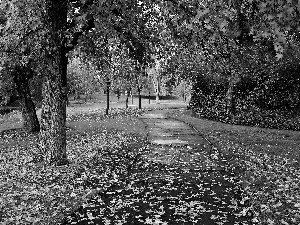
{"points": [[53, 121], [131, 97], [76, 96], [127, 98], [140, 98], [126, 103], [67, 100], [296, 110], [230, 96], [21, 78], [183, 92], [157, 89]]}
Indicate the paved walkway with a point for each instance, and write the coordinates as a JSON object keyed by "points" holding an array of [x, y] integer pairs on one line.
{"points": [[169, 136], [180, 180]]}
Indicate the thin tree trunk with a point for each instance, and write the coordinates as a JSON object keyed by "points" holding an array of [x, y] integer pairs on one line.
{"points": [[126, 102], [157, 89], [157, 99], [140, 98], [53, 121], [76, 96], [127, 98], [230, 97], [21, 79], [296, 110], [183, 92], [67, 100]]}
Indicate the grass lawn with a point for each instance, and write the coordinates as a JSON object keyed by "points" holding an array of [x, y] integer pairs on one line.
{"points": [[266, 161], [100, 150], [13, 120], [114, 102]]}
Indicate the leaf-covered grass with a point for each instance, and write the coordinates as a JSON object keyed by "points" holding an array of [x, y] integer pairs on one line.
{"points": [[34, 193], [10, 120], [266, 161], [251, 116]]}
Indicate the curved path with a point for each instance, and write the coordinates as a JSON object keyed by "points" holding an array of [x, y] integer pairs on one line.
{"points": [[179, 180]]}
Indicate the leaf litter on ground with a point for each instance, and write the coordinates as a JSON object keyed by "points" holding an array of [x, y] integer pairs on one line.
{"points": [[265, 163], [167, 189], [35, 193], [40, 194]]}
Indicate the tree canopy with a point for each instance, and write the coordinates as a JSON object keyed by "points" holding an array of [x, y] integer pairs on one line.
{"points": [[48, 31]]}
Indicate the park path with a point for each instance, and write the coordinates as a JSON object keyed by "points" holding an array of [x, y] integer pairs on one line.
{"points": [[181, 179], [174, 140], [206, 193]]}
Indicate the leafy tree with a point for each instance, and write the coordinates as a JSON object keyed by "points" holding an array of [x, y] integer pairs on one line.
{"points": [[7, 87], [63, 34], [161, 55], [18, 56], [126, 74], [112, 62], [155, 74], [22, 74], [65, 22], [226, 29], [82, 77], [183, 67]]}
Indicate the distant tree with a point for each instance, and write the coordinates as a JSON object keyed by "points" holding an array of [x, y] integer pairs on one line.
{"points": [[7, 87], [82, 77]]}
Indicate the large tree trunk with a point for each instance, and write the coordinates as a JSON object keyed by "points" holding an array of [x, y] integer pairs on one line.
{"points": [[53, 121], [21, 78]]}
